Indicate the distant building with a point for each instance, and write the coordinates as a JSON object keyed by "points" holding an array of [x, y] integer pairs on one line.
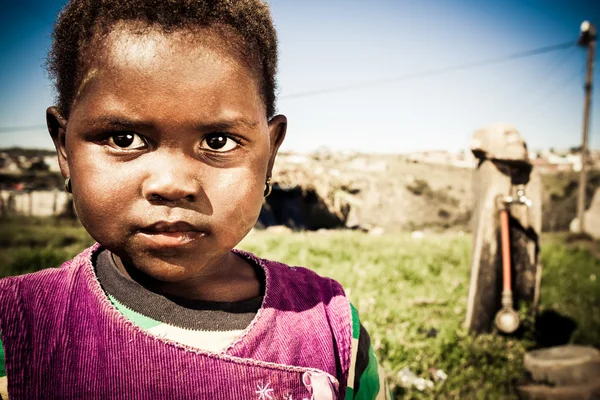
{"points": [[8, 166], [37, 203], [52, 163]]}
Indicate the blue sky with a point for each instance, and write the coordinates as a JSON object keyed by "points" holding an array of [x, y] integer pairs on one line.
{"points": [[333, 43]]}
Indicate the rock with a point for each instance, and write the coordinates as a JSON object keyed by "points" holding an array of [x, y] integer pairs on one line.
{"points": [[352, 219], [567, 365], [592, 216], [574, 225], [590, 391]]}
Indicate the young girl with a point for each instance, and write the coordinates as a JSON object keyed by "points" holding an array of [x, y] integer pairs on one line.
{"points": [[166, 134]]}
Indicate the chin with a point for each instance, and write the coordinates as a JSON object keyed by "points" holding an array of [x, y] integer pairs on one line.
{"points": [[167, 272]]}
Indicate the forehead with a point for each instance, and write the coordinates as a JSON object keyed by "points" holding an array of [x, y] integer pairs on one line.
{"points": [[133, 57], [148, 48], [167, 78], [138, 43]]}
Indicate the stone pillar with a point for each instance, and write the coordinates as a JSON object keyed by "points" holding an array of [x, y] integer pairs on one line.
{"points": [[503, 168]]}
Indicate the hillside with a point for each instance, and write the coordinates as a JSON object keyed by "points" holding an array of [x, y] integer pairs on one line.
{"points": [[387, 191]]}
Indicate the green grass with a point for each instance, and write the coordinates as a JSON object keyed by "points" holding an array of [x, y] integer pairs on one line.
{"points": [[571, 285], [29, 244], [411, 295]]}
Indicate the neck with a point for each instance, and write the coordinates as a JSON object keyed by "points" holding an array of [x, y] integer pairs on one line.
{"points": [[236, 281]]}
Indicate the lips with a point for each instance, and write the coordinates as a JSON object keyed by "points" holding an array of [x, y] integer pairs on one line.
{"points": [[177, 226], [171, 234]]}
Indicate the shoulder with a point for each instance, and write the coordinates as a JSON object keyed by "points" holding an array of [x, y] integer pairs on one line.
{"points": [[34, 304], [295, 279], [312, 309]]}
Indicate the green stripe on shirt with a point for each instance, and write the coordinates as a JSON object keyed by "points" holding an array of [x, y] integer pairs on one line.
{"points": [[355, 322], [369, 381], [140, 320], [370, 387], [2, 370]]}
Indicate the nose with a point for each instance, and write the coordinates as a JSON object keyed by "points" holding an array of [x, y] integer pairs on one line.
{"points": [[172, 179]]}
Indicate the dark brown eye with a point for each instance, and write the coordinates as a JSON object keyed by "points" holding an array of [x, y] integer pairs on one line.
{"points": [[126, 141], [216, 142], [219, 143]]}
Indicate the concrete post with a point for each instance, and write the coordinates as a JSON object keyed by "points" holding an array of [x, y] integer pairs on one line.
{"points": [[503, 170]]}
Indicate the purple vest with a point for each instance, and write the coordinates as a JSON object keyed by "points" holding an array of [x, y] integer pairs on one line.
{"points": [[64, 339]]}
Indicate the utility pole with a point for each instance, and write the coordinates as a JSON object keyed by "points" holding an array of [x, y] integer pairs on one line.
{"points": [[587, 38]]}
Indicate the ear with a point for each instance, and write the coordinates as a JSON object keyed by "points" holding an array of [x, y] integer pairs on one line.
{"points": [[277, 129], [57, 126]]}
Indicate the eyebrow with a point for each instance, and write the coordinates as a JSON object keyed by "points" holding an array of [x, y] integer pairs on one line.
{"points": [[117, 122], [121, 122], [226, 124]]}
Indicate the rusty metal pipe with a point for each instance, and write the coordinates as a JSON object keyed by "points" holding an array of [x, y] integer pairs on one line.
{"points": [[507, 319], [505, 240]]}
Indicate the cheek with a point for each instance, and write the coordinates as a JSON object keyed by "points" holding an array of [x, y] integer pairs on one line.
{"points": [[100, 194], [237, 201]]}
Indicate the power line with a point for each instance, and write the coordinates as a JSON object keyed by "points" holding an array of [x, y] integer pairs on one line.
{"points": [[539, 104], [9, 129], [557, 61], [539, 92], [532, 86], [433, 72]]}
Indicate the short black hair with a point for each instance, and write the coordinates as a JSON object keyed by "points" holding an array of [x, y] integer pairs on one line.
{"points": [[81, 20]]}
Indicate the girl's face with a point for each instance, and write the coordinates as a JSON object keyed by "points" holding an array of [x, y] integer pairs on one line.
{"points": [[168, 148]]}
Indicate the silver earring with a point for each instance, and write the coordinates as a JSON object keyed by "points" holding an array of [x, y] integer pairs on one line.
{"points": [[267, 191], [68, 185]]}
